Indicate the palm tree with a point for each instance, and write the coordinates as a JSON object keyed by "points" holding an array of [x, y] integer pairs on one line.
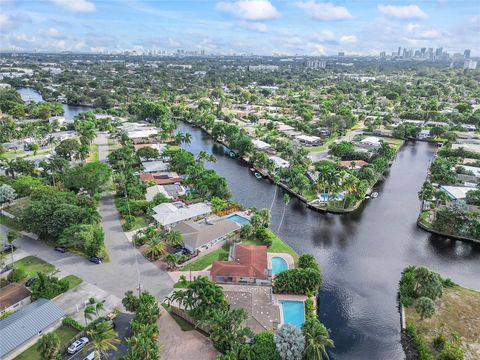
{"points": [[155, 248], [286, 200], [99, 306], [171, 261], [11, 237], [88, 313], [174, 238], [102, 339], [188, 139], [317, 340], [48, 345], [9, 167]]}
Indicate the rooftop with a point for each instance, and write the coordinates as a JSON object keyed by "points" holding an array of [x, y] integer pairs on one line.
{"points": [[248, 261], [27, 322], [161, 178], [11, 294], [171, 213]]}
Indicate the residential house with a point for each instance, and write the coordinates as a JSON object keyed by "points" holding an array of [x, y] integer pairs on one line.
{"points": [[247, 264], [279, 162], [23, 328], [170, 214], [161, 178], [323, 131], [13, 296], [424, 134], [171, 191], [475, 148], [154, 166], [200, 236], [309, 140], [456, 193], [262, 145], [357, 164], [371, 142]]}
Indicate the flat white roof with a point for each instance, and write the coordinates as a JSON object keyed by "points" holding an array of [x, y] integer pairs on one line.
{"points": [[456, 192], [259, 144], [308, 138], [171, 213], [155, 166], [279, 162], [371, 140], [135, 134], [474, 169]]}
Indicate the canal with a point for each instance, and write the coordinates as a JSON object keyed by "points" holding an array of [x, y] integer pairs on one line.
{"points": [[361, 254]]}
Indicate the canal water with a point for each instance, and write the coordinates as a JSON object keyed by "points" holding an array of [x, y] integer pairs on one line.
{"points": [[361, 254], [70, 111]]}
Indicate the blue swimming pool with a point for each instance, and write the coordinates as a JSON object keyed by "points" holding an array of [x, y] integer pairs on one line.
{"points": [[326, 197], [278, 265], [239, 219], [293, 312]]}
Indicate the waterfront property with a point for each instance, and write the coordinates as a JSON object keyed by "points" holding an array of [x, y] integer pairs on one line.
{"points": [[200, 236], [171, 191], [161, 178], [456, 192], [239, 219], [154, 166], [278, 264], [170, 214], [23, 328], [247, 264]]}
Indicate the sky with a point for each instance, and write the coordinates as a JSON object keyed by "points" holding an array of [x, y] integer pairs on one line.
{"points": [[264, 27]]}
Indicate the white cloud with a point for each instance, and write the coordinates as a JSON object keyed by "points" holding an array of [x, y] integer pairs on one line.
{"points": [[419, 32], [255, 25], [51, 32], [76, 5], [348, 39], [402, 12], [324, 11], [325, 35], [254, 10], [4, 20]]}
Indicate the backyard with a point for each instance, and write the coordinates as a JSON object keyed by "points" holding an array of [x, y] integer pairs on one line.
{"points": [[207, 260]]}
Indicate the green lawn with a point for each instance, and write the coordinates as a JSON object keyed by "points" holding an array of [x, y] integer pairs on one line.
{"points": [[65, 334], [140, 222], [207, 260], [32, 265], [315, 148], [10, 223], [73, 281], [18, 206], [93, 156]]}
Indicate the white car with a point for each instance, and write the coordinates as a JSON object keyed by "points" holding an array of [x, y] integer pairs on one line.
{"points": [[91, 356], [77, 345]]}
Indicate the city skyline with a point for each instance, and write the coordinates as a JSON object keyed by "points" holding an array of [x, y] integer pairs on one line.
{"points": [[261, 27]]}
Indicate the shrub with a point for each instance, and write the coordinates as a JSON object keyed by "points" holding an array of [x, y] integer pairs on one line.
{"points": [[129, 222], [307, 261], [310, 309], [289, 342], [297, 281], [425, 307], [16, 275], [264, 236], [48, 287], [48, 346], [419, 282], [439, 342], [421, 346], [451, 352], [263, 347], [69, 321]]}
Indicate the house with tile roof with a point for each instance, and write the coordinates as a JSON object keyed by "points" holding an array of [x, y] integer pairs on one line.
{"points": [[247, 265]]}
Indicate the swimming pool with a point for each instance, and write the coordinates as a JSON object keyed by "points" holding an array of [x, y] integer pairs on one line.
{"points": [[326, 197], [239, 219], [278, 265], [293, 312]]}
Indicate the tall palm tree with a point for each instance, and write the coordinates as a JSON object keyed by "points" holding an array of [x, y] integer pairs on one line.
{"points": [[174, 238], [99, 306], [88, 313], [11, 237], [102, 339], [317, 340]]}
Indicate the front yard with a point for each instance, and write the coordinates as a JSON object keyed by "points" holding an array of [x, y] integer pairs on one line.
{"points": [[65, 334], [32, 265]]}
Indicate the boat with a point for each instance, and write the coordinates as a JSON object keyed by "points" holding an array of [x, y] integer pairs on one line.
{"points": [[258, 175], [232, 154], [252, 169], [374, 194]]}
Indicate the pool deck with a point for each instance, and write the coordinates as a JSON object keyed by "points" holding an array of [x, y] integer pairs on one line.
{"points": [[287, 257]]}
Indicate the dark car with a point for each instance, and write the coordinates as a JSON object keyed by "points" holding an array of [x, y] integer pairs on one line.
{"points": [[31, 281], [60, 249], [8, 248], [102, 320], [180, 250], [95, 259], [5, 269]]}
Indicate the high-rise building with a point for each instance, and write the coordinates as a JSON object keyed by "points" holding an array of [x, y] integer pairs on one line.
{"points": [[423, 51], [399, 51], [316, 64], [383, 54], [470, 64], [438, 52], [341, 54], [466, 54]]}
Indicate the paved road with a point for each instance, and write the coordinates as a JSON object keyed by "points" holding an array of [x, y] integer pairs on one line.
{"points": [[126, 263]]}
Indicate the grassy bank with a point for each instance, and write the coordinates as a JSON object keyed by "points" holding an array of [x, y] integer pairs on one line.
{"points": [[455, 319]]}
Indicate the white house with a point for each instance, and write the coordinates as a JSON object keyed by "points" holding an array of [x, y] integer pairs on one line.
{"points": [[170, 214], [424, 134], [371, 141], [308, 140], [279, 162], [456, 192]]}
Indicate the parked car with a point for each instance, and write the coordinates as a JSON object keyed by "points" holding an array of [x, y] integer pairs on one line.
{"points": [[60, 249], [8, 248], [95, 259], [77, 345], [90, 356], [31, 281], [5, 269]]}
